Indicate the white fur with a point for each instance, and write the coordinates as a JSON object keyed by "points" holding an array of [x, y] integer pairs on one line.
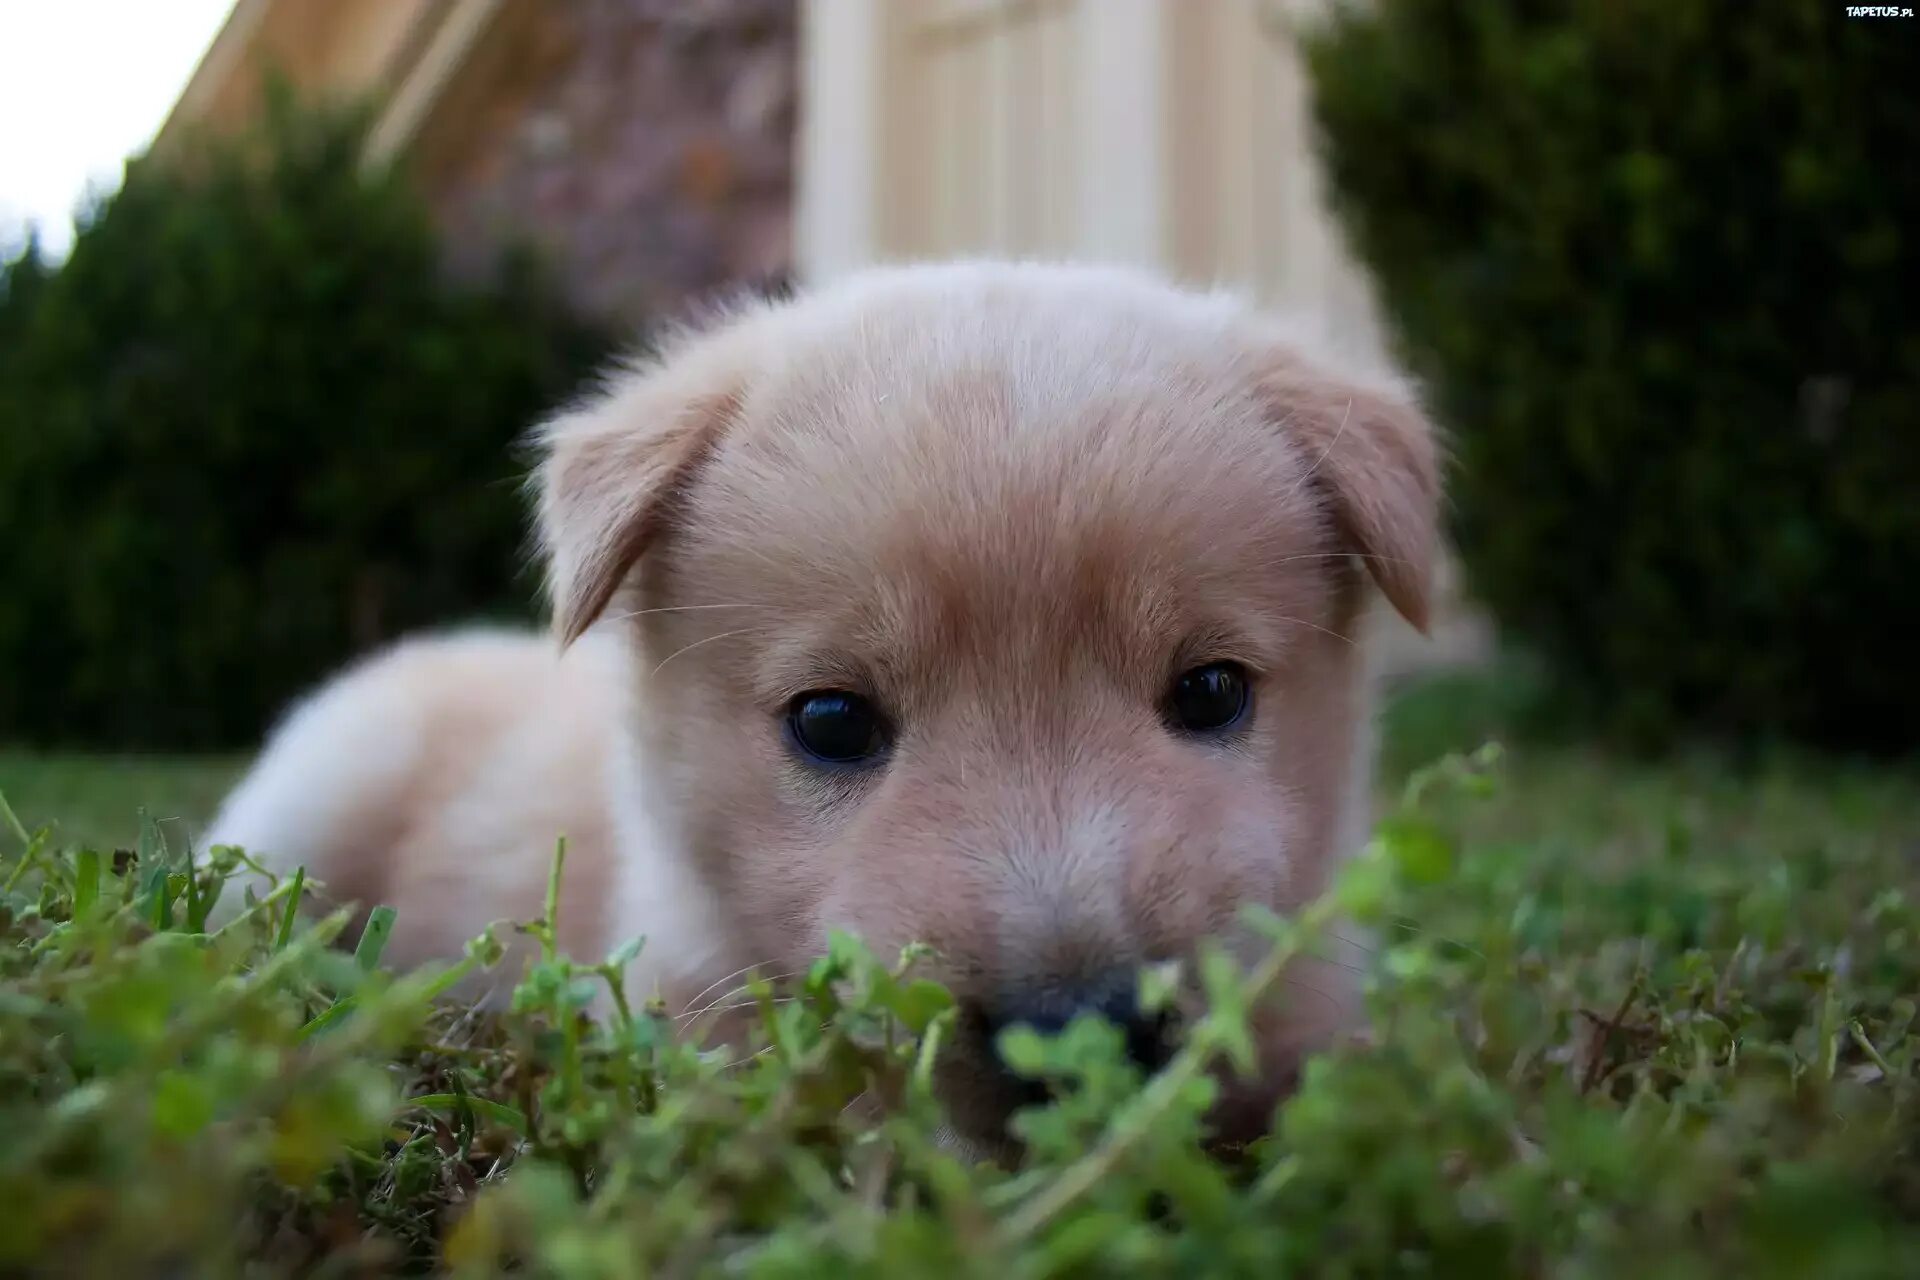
{"points": [[515, 741]]}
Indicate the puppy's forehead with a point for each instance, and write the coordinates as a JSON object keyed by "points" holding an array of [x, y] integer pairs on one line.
{"points": [[1016, 456]]}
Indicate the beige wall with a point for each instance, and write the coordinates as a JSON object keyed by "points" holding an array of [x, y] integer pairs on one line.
{"points": [[1166, 133]]}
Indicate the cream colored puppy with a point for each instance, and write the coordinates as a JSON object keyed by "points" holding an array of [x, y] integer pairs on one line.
{"points": [[1005, 608]]}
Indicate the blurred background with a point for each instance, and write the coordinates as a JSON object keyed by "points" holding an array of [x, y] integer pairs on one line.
{"points": [[1655, 263]]}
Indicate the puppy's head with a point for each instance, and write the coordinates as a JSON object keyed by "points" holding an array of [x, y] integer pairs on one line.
{"points": [[1006, 609]]}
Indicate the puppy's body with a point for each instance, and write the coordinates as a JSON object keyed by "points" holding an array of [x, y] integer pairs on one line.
{"points": [[1001, 519], [438, 776]]}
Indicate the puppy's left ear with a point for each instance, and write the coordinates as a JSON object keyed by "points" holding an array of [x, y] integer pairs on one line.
{"points": [[615, 471], [1374, 453]]}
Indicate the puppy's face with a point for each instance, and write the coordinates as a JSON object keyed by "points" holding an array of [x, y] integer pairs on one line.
{"points": [[1010, 612]]}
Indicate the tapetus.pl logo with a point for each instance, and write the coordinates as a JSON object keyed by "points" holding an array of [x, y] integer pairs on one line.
{"points": [[1879, 11]]}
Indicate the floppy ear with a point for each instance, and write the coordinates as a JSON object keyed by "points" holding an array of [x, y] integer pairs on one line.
{"points": [[1372, 450], [614, 470]]}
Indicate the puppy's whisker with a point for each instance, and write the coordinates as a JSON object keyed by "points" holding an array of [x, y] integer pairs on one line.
{"points": [[1326, 453], [742, 971], [674, 608], [1343, 555], [688, 648], [731, 992], [1298, 985], [738, 1004], [1331, 963], [728, 977], [1405, 927], [759, 1053], [723, 1002], [1437, 937], [1314, 626], [741, 1062]]}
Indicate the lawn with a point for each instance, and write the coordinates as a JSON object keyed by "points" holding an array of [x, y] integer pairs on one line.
{"points": [[1562, 800], [97, 799], [1647, 1018]]}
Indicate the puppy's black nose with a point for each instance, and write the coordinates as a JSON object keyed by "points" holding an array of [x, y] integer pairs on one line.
{"points": [[1048, 1008]]}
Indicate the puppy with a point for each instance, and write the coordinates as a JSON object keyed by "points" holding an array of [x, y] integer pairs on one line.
{"points": [[1006, 608]]}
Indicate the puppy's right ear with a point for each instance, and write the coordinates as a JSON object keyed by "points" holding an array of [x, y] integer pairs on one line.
{"points": [[614, 471]]}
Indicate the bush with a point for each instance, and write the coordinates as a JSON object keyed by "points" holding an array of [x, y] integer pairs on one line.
{"points": [[23, 278], [1657, 262], [249, 429], [1593, 1053]]}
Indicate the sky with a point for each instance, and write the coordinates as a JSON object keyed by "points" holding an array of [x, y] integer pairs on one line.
{"points": [[83, 85]]}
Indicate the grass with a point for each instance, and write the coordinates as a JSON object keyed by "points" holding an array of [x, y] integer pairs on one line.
{"points": [[1573, 801], [96, 800], [1626, 1018]]}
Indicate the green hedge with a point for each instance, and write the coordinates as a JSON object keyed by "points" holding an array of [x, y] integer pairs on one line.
{"points": [[249, 429], [1658, 262]]}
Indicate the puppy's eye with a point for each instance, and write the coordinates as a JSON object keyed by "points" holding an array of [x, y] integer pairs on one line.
{"points": [[1211, 698], [836, 727]]}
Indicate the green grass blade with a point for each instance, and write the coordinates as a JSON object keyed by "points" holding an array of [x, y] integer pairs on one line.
{"points": [[13, 822], [290, 909], [196, 909], [373, 939], [209, 901], [328, 1016], [452, 1103], [86, 882], [158, 905], [157, 893]]}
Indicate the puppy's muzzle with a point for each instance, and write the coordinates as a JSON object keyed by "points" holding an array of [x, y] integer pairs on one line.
{"points": [[1049, 1007]]}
